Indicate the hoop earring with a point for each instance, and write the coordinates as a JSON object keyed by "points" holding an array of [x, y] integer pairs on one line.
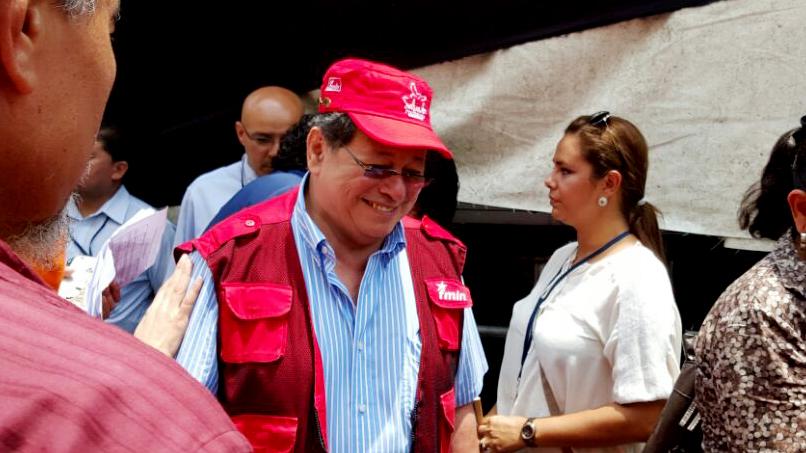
{"points": [[602, 201]]}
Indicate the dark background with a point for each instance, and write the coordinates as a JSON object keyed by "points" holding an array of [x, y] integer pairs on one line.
{"points": [[184, 68]]}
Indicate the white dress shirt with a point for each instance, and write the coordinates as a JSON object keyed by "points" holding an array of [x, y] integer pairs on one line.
{"points": [[610, 332]]}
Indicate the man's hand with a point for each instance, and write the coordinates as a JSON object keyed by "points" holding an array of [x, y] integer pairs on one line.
{"points": [[109, 299], [164, 324]]}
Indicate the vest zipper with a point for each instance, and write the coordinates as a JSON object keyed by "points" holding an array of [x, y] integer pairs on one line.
{"points": [[318, 429], [414, 415]]}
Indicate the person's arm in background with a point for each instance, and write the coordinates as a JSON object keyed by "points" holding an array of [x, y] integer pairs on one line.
{"points": [[135, 298], [164, 264], [198, 353], [757, 357], [469, 381], [184, 221]]}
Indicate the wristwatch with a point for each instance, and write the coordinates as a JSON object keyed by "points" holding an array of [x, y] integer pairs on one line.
{"points": [[529, 432]]}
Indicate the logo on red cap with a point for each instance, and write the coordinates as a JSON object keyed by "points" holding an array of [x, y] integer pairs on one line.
{"points": [[333, 84], [415, 103], [371, 94]]}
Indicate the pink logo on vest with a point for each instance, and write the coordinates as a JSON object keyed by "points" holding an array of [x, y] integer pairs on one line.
{"points": [[448, 293], [415, 103]]}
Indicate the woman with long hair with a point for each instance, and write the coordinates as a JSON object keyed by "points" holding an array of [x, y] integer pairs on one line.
{"points": [[592, 353]]}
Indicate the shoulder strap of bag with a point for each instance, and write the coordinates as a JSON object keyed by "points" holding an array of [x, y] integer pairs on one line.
{"points": [[554, 409]]}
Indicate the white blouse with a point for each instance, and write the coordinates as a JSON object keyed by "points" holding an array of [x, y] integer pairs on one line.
{"points": [[609, 332]]}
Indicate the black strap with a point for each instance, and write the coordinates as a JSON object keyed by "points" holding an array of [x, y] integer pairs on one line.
{"points": [[527, 341], [80, 248]]}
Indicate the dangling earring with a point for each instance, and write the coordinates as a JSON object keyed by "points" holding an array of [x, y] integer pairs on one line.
{"points": [[602, 201], [802, 244]]}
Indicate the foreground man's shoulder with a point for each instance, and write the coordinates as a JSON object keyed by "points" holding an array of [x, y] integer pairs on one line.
{"points": [[72, 380]]}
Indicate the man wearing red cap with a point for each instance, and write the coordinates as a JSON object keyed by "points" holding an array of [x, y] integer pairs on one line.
{"points": [[327, 321]]}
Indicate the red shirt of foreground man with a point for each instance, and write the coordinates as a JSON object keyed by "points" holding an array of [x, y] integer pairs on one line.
{"points": [[69, 382], [56, 397]]}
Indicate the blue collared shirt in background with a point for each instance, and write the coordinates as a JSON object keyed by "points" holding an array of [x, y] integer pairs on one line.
{"points": [[87, 235], [370, 349], [261, 189], [207, 194]]}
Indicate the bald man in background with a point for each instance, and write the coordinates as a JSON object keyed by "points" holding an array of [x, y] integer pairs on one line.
{"points": [[266, 115]]}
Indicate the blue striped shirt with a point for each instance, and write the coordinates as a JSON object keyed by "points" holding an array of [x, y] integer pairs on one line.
{"points": [[370, 349]]}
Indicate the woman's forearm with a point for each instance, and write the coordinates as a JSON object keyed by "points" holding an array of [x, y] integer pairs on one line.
{"points": [[613, 424]]}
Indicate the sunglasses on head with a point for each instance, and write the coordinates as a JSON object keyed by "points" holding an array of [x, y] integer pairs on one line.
{"points": [[599, 119]]}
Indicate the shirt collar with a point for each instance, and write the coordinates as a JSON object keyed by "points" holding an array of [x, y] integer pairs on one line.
{"points": [[115, 208], [248, 173], [315, 239]]}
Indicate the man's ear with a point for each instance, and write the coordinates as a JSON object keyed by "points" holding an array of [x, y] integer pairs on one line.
{"points": [[239, 131], [316, 150], [797, 204], [20, 28], [119, 170]]}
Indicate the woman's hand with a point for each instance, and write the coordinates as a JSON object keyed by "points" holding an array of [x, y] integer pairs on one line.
{"points": [[501, 433], [164, 324]]}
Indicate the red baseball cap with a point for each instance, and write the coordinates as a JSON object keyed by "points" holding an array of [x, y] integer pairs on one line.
{"points": [[390, 106]]}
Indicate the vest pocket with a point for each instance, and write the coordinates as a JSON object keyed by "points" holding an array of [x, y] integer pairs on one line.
{"points": [[449, 297], [446, 426], [254, 321], [268, 433]]}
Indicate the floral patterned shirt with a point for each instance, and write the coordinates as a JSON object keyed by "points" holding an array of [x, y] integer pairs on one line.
{"points": [[751, 353]]}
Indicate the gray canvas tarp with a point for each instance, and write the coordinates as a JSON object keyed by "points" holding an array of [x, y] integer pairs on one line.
{"points": [[711, 87]]}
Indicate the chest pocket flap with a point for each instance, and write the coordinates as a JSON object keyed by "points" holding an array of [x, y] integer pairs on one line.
{"points": [[449, 297], [254, 321]]}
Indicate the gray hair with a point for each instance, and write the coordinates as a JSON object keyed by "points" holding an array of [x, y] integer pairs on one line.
{"points": [[41, 244], [76, 8], [337, 127]]}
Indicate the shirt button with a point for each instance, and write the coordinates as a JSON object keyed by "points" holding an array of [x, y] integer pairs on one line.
{"points": [[362, 408], [360, 345], [249, 223]]}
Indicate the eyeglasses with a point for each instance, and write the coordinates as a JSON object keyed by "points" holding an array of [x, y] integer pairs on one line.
{"points": [[263, 139], [599, 119], [411, 178]]}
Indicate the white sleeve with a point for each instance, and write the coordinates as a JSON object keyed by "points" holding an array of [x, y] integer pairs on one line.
{"points": [[644, 343]]}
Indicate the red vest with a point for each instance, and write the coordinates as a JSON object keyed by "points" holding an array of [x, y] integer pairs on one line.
{"points": [[271, 378]]}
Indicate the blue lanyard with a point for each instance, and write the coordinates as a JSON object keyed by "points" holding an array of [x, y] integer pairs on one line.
{"points": [[527, 341], [80, 248]]}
